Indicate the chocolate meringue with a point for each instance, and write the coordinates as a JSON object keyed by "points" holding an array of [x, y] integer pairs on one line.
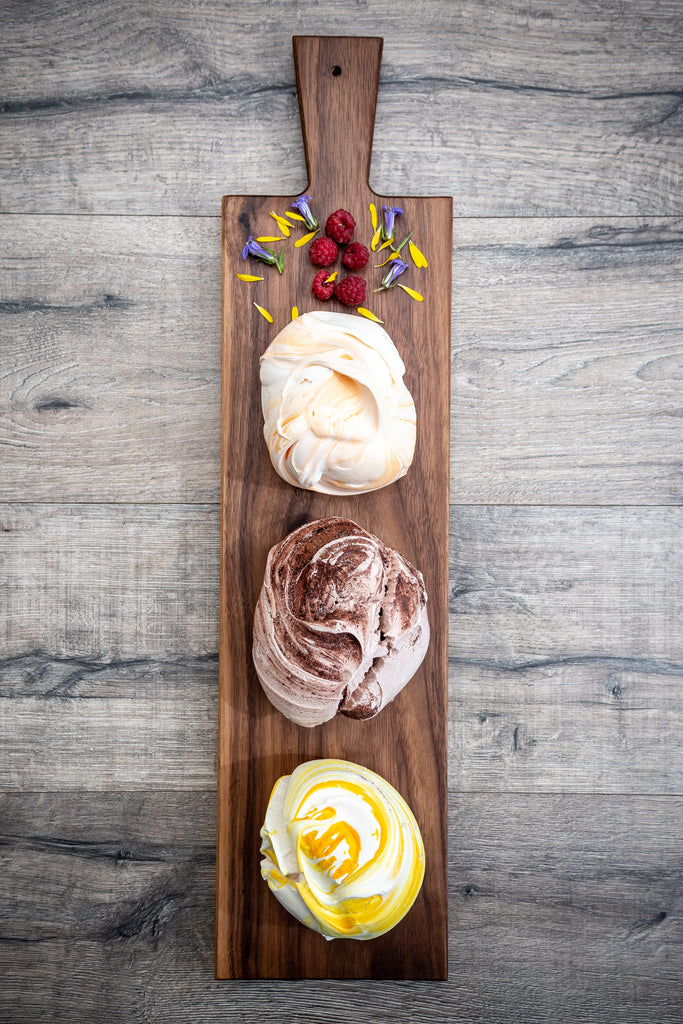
{"points": [[341, 849], [340, 625], [338, 417]]}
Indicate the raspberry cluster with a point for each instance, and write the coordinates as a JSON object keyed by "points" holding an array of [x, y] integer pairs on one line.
{"points": [[350, 290]]}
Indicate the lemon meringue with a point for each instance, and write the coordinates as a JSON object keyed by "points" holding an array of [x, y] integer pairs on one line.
{"points": [[340, 624], [341, 849], [338, 417]]}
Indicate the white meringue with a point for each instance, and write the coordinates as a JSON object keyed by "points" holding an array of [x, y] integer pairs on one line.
{"points": [[338, 417], [341, 849]]}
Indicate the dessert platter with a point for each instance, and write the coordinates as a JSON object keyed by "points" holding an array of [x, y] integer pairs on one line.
{"points": [[333, 657]]}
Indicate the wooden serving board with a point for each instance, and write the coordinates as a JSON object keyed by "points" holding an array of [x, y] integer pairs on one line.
{"points": [[406, 743]]}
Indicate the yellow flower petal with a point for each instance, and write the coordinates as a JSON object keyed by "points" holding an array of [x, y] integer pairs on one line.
{"points": [[249, 277], [306, 238], [283, 225], [418, 257], [370, 316], [295, 312], [264, 313], [295, 216], [331, 277], [385, 244], [394, 256], [373, 216], [270, 238], [375, 239], [413, 294]]}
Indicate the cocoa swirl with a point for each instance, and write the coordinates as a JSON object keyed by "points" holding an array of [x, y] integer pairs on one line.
{"points": [[340, 625]]}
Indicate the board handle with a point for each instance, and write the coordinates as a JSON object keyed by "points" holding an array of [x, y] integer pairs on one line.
{"points": [[337, 78]]}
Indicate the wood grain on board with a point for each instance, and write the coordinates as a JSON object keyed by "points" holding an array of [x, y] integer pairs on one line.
{"points": [[406, 743]]}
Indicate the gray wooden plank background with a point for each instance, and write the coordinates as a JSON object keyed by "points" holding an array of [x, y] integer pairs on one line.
{"points": [[557, 129]]}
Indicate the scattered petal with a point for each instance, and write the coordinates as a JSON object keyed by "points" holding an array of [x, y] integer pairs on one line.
{"points": [[418, 258], [331, 277], [249, 277], [295, 312], [281, 223], [264, 313], [373, 216], [384, 245], [305, 238], [370, 316], [270, 238], [413, 294], [394, 256], [375, 239], [295, 216]]}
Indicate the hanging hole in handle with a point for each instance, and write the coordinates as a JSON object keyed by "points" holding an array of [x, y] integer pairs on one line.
{"points": [[336, 71]]}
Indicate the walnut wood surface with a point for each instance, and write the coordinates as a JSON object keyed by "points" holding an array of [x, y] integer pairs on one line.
{"points": [[406, 743]]}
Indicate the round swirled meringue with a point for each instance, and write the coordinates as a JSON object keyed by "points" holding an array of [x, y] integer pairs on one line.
{"points": [[338, 417], [341, 849], [340, 624]]}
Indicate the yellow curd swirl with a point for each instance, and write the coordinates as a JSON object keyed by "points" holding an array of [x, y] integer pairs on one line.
{"points": [[341, 849]]}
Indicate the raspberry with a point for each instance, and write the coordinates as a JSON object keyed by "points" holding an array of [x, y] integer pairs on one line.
{"points": [[340, 225], [320, 289], [323, 252], [356, 256], [351, 290]]}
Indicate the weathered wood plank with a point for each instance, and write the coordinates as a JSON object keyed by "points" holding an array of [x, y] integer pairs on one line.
{"points": [[565, 375], [110, 384], [566, 372], [121, 108], [565, 648], [561, 908]]}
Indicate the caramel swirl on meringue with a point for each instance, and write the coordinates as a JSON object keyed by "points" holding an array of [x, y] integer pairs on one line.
{"points": [[341, 849], [338, 417], [340, 624]]}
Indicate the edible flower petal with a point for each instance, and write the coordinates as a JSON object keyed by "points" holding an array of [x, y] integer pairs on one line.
{"points": [[294, 216], [373, 215], [304, 239], [281, 223], [249, 277], [301, 204], [396, 268], [375, 239], [418, 258], [370, 316], [270, 238], [264, 313], [295, 312], [390, 214], [413, 294], [394, 256], [254, 248], [331, 277]]}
